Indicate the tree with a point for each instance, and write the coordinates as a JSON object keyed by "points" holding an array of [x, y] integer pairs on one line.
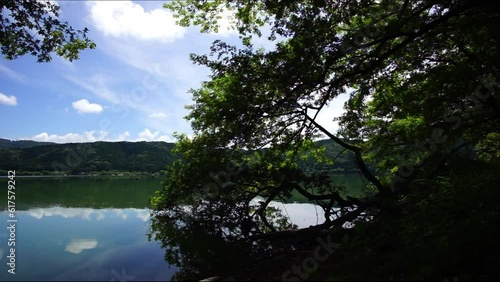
{"points": [[421, 77], [33, 27]]}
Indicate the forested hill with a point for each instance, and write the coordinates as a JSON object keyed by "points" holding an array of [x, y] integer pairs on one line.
{"points": [[36, 158], [6, 144], [85, 158]]}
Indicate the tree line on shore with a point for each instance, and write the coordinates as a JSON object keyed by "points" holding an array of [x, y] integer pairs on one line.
{"points": [[119, 158]]}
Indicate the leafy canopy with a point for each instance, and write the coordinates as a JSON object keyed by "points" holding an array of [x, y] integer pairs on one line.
{"points": [[33, 27], [421, 78]]}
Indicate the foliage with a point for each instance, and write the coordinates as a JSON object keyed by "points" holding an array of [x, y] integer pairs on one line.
{"points": [[488, 149], [115, 158], [90, 158], [444, 230], [33, 27], [421, 78], [5, 143]]}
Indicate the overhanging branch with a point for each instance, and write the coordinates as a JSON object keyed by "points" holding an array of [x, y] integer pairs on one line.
{"points": [[357, 153]]}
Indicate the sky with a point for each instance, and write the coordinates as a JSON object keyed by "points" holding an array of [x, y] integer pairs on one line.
{"points": [[132, 87]]}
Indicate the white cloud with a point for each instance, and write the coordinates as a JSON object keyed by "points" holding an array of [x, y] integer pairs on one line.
{"points": [[166, 138], [98, 84], [93, 136], [87, 136], [8, 100], [84, 107], [128, 19], [158, 115], [124, 136], [145, 97], [166, 75], [147, 135]]}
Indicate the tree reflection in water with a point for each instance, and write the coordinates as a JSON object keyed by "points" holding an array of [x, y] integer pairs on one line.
{"points": [[215, 238]]}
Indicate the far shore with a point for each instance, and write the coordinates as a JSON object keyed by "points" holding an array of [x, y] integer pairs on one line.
{"points": [[83, 175]]}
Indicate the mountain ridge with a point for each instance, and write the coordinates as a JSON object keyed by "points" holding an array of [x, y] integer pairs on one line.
{"points": [[118, 158], [6, 143]]}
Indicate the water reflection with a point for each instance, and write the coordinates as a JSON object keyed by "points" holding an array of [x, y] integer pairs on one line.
{"points": [[302, 215], [66, 243], [88, 213], [209, 239], [96, 229], [83, 229], [77, 246], [61, 243]]}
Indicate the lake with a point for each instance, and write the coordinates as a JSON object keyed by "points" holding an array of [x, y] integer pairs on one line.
{"points": [[80, 228]]}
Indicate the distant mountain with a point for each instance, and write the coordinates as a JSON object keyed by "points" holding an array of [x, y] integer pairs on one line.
{"points": [[343, 160], [8, 144], [78, 158], [30, 157]]}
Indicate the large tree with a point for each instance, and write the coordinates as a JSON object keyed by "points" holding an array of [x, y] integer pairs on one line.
{"points": [[421, 78], [33, 27]]}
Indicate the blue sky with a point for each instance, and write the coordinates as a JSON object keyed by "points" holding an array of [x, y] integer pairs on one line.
{"points": [[132, 87]]}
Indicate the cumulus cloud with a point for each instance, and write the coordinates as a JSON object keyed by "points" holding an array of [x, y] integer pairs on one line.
{"points": [[128, 19], [123, 136], [8, 100], [83, 106], [87, 136], [146, 134], [93, 136]]}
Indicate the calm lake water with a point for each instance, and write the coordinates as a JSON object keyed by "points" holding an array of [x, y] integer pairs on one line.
{"points": [[96, 229]]}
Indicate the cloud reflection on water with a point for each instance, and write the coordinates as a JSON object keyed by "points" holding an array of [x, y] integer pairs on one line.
{"points": [[77, 246], [88, 213]]}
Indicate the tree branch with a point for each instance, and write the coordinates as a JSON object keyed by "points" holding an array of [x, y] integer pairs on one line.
{"points": [[359, 159]]}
